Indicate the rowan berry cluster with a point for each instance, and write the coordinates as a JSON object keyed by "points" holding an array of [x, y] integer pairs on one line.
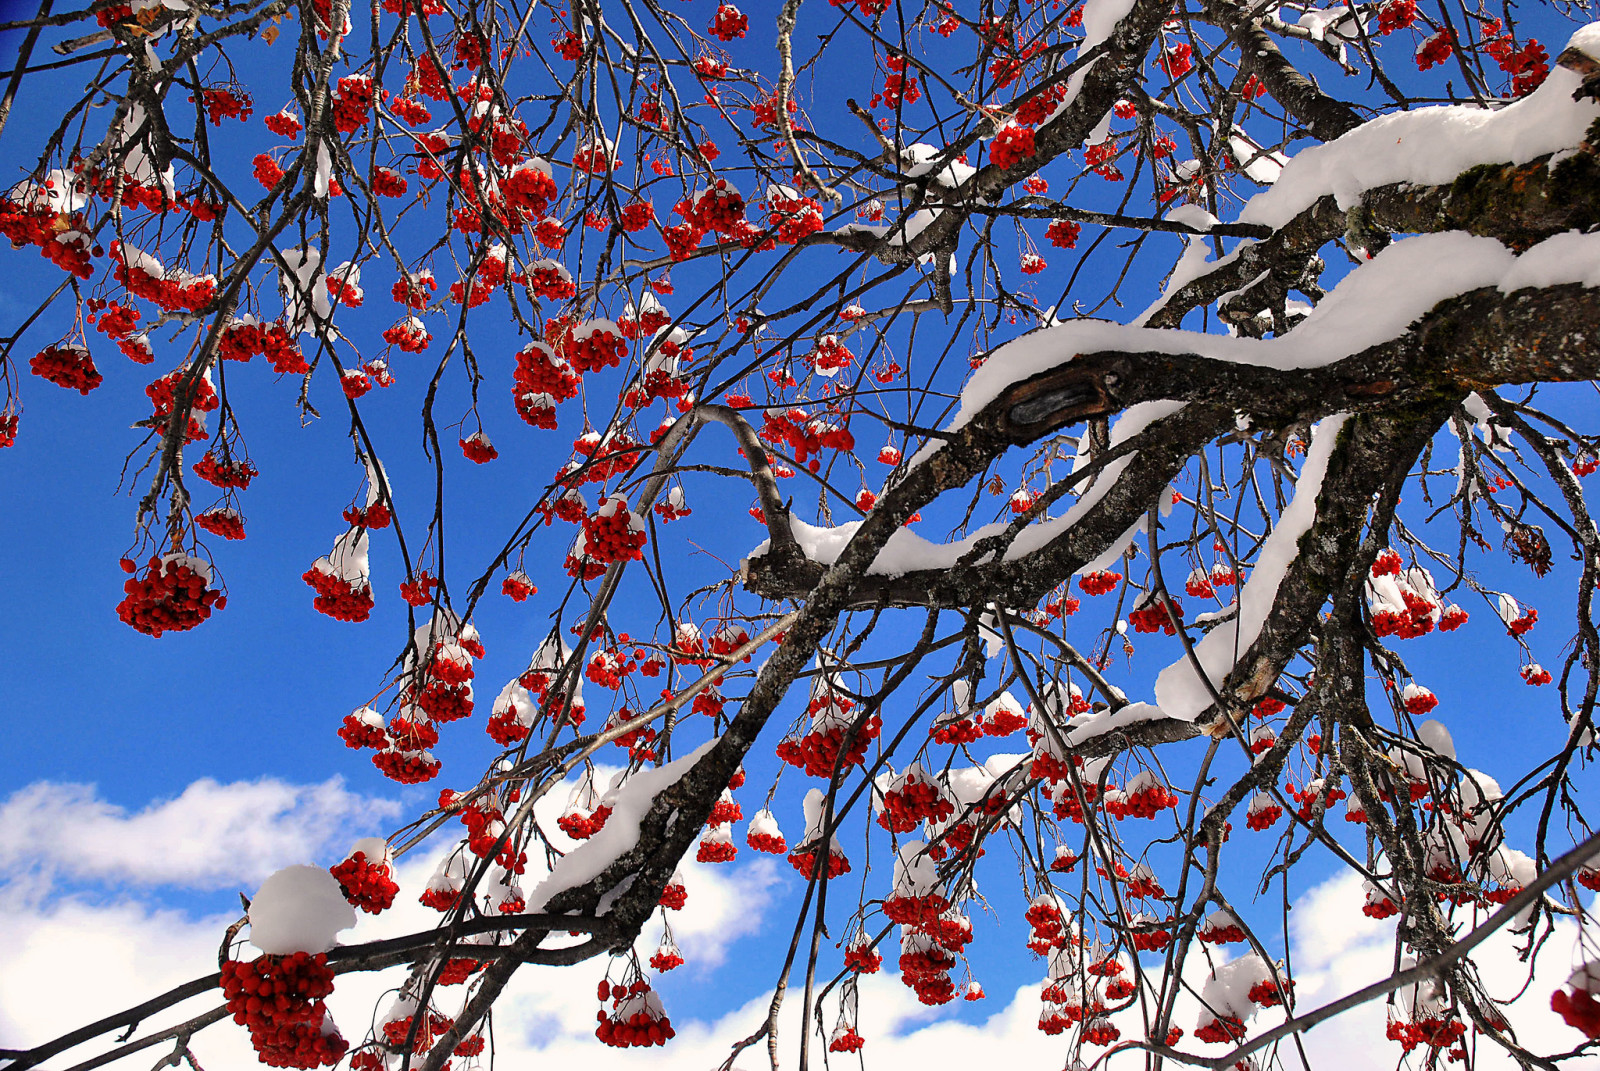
{"points": [[613, 533], [367, 884], [280, 1000], [352, 103], [1098, 583], [1153, 616], [913, 800], [222, 522], [171, 596], [817, 751], [1011, 145], [595, 345], [804, 860], [68, 366], [518, 586], [636, 1017]]}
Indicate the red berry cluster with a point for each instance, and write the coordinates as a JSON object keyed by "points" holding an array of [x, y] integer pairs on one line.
{"points": [[518, 586], [67, 366], [171, 596], [637, 215], [1229, 933], [430, 1026], [409, 336], [635, 1019], [477, 449], [220, 104], [657, 383], [718, 208], [770, 843], [367, 885], [1221, 1030], [1263, 816], [387, 182], [541, 379], [547, 279], [1010, 146], [609, 668], [729, 24], [282, 351], [666, 960], [280, 1000], [406, 767], [1579, 1008], [716, 849], [456, 971], [358, 732], [611, 535], [352, 103], [112, 319], [414, 291], [804, 860], [222, 522], [1154, 617], [338, 597], [1145, 803], [163, 395], [816, 752], [927, 972], [1434, 1031], [1177, 61], [806, 435], [1063, 234], [1435, 50], [674, 896], [1099, 583], [861, 957], [845, 1039], [529, 189], [908, 805], [285, 124], [172, 290], [1396, 15], [225, 474], [915, 910], [595, 346], [1150, 940]]}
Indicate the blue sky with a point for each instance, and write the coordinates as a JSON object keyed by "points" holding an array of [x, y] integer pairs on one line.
{"points": [[256, 694]]}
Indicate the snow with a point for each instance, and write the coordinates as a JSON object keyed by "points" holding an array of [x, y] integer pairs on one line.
{"points": [[348, 558], [299, 909], [920, 160], [763, 823], [1262, 165], [621, 831], [1434, 735], [1083, 729], [916, 873], [322, 183], [905, 551], [1431, 146], [1100, 18], [1227, 991], [1179, 690], [303, 278], [376, 850]]}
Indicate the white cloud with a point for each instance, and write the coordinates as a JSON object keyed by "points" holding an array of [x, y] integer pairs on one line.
{"points": [[212, 836]]}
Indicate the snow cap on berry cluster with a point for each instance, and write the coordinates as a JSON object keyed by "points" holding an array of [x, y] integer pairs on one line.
{"points": [[916, 873], [299, 909]]}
